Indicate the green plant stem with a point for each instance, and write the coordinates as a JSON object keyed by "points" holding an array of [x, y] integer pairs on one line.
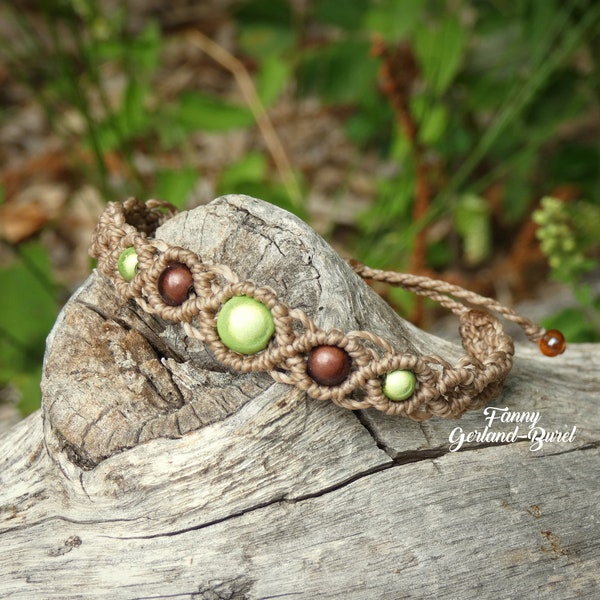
{"points": [[78, 99], [93, 73], [47, 284]]}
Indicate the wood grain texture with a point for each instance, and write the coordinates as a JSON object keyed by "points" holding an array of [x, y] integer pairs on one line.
{"points": [[154, 473]]}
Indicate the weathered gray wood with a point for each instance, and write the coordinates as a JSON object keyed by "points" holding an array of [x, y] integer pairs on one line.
{"points": [[260, 492]]}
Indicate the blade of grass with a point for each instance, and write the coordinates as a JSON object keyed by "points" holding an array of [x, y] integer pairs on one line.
{"points": [[67, 71], [523, 96], [92, 71]]}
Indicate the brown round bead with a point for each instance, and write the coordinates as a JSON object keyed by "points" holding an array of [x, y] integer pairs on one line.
{"points": [[174, 284], [328, 365], [553, 343]]}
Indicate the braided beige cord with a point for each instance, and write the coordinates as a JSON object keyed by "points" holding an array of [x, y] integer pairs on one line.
{"points": [[442, 389], [441, 291]]}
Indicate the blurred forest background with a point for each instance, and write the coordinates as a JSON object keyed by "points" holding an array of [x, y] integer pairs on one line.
{"points": [[454, 138]]}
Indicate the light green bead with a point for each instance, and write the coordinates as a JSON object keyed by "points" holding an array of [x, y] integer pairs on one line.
{"points": [[399, 385], [128, 263], [245, 325]]}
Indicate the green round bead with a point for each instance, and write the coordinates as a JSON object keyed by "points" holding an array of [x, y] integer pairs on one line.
{"points": [[128, 263], [399, 385], [245, 325]]}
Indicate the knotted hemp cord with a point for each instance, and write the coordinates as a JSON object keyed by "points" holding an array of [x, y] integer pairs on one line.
{"points": [[440, 389]]}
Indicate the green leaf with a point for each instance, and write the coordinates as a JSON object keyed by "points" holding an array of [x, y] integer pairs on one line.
{"points": [[402, 300], [133, 116], [144, 50], [251, 168], [175, 185], [272, 79], [584, 294], [472, 222], [347, 15], [200, 111], [394, 20], [106, 50], [576, 163], [250, 176], [432, 119], [28, 309], [343, 72], [371, 121], [440, 51], [538, 21], [27, 314], [129, 121]]}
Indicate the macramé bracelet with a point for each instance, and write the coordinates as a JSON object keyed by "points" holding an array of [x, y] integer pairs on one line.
{"points": [[248, 328]]}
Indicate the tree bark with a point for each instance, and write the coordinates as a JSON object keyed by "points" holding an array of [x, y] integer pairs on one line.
{"points": [[153, 472]]}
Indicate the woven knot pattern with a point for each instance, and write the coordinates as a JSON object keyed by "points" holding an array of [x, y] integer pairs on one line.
{"points": [[442, 389]]}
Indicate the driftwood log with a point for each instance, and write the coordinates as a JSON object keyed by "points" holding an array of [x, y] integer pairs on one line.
{"points": [[152, 472]]}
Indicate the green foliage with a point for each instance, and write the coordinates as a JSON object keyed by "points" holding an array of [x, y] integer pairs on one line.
{"points": [[564, 234], [568, 235], [393, 20], [249, 176], [175, 185], [578, 324], [28, 309], [252, 168], [472, 223], [320, 71], [196, 111], [439, 50], [328, 11], [496, 82], [272, 79]]}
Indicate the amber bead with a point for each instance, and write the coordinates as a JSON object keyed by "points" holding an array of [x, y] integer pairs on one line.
{"points": [[553, 343], [174, 284], [328, 365]]}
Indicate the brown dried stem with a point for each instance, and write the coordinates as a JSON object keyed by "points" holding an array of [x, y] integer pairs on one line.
{"points": [[399, 72]]}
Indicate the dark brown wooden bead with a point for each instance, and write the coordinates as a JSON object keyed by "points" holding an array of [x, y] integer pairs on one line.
{"points": [[553, 343], [328, 365], [174, 284]]}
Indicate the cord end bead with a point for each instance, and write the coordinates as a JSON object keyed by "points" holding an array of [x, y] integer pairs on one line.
{"points": [[553, 343]]}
